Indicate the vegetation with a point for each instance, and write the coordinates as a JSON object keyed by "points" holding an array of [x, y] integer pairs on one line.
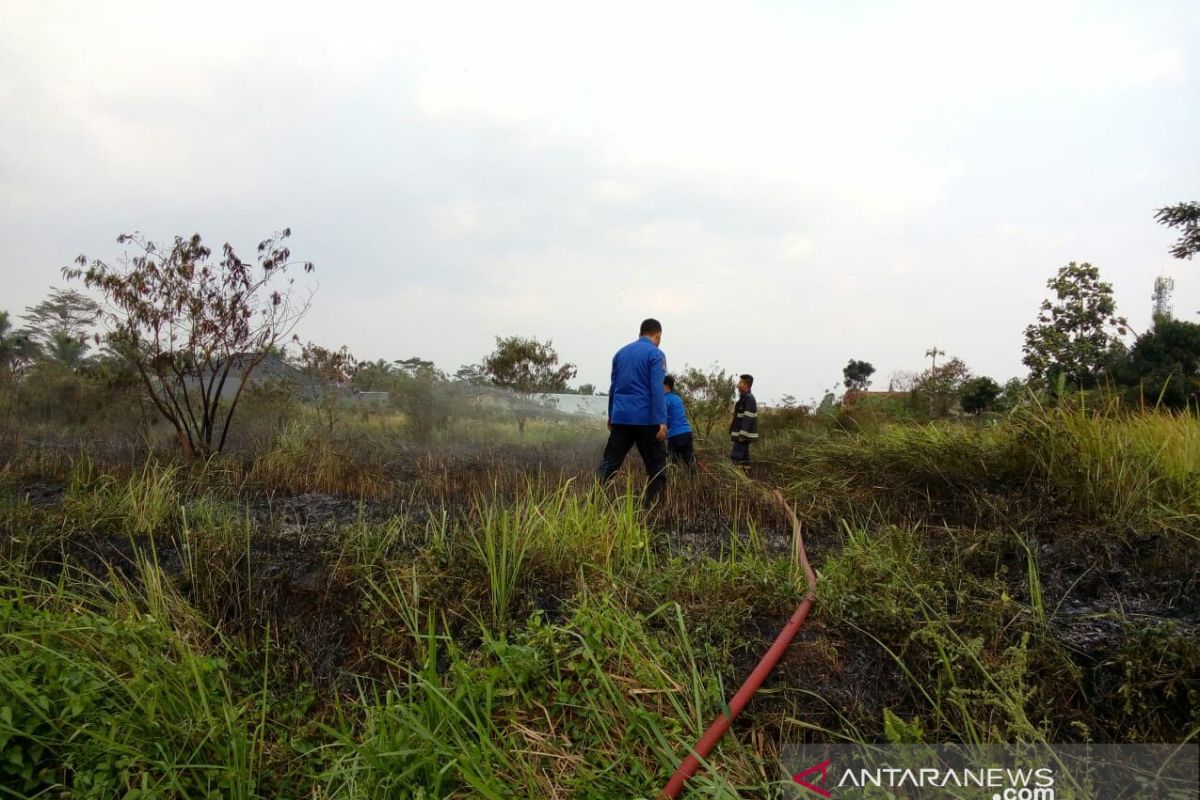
{"points": [[1073, 335], [427, 600], [187, 325], [857, 374], [1185, 217], [707, 396], [493, 624]]}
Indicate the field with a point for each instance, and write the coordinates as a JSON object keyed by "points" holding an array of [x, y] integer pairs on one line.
{"points": [[357, 614]]}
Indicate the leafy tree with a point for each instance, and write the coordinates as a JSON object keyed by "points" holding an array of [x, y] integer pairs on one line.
{"points": [[586, 389], [943, 385], [62, 324], [328, 374], [527, 366], [706, 396], [189, 325], [417, 367], [980, 394], [1072, 337], [472, 375], [856, 375], [1185, 217], [1163, 366], [374, 376], [1015, 391]]}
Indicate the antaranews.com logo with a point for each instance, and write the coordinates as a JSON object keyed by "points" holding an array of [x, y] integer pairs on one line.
{"points": [[994, 772], [1009, 784]]}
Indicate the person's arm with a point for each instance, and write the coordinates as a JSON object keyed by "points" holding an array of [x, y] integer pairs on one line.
{"points": [[612, 382], [658, 398]]}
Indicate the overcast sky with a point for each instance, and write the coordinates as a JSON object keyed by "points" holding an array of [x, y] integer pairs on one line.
{"points": [[785, 185]]}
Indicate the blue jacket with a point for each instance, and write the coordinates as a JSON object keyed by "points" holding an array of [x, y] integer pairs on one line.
{"points": [[635, 396], [676, 417]]}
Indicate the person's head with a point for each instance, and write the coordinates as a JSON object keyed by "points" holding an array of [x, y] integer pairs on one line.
{"points": [[744, 383], [669, 384], [652, 330]]}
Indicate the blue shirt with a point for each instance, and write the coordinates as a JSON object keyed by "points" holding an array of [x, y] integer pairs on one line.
{"points": [[676, 417], [635, 396]]}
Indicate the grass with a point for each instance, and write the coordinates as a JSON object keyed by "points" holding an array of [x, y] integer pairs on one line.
{"points": [[489, 623]]}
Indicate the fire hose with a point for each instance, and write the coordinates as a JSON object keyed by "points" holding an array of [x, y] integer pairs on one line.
{"points": [[724, 719]]}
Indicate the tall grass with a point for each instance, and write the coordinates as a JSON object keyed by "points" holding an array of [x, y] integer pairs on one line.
{"points": [[1136, 472]]}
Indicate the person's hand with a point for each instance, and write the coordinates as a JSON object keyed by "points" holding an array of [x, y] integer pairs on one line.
{"points": [[662, 433]]}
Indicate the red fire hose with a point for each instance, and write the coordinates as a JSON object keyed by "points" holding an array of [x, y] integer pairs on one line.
{"points": [[719, 725]]}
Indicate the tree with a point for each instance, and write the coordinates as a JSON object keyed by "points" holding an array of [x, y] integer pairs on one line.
{"points": [[943, 385], [707, 396], [1071, 337], [420, 368], [62, 324], [1186, 218], [1163, 366], [1015, 391], [328, 374], [189, 325], [980, 394], [856, 375], [586, 389], [527, 366], [66, 351], [471, 374], [374, 376]]}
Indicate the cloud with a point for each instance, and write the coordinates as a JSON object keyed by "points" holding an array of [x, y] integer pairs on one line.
{"points": [[781, 182]]}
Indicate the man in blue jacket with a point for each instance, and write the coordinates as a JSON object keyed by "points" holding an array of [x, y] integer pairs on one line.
{"points": [[679, 432], [637, 410]]}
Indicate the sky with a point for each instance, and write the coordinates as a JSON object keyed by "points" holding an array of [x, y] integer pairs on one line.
{"points": [[785, 185]]}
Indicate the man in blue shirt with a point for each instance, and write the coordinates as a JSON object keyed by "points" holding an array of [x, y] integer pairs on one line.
{"points": [[637, 410], [679, 432]]}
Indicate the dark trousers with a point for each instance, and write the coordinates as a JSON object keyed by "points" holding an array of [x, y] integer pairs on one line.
{"points": [[681, 450], [740, 453], [653, 452]]}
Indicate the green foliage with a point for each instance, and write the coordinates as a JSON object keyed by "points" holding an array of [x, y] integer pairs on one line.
{"points": [[327, 374], [527, 365], [1185, 217], [1072, 336], [856, 375], [96, 706], [980, 394], [943, 386], [61, 326], [1163, 366], [707, 396]]}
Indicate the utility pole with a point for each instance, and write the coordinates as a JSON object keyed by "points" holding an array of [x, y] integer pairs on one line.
{"points": [[933, 353]]}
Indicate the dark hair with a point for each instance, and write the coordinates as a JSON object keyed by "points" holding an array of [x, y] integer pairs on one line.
{"points": [[650, 327], [749, 379], [669, 382]]}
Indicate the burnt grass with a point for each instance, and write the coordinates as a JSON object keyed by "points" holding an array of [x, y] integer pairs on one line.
{"points": [[1118, 657]]}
